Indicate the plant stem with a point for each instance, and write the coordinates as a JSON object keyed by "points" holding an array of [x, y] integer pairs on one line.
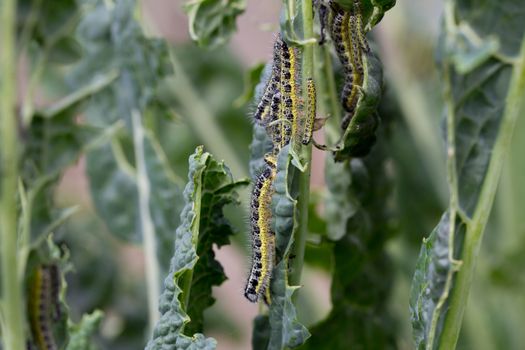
{"points": [[330, 98], [515, 107], [12, 306], [304, 178], [146, 222]]}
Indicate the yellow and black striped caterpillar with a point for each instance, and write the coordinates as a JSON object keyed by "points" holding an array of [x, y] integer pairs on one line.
{"points": [[280, 107], [350, 42], [361, 90], [307, 126], [272, 86], [44, 305], [263, 236]]}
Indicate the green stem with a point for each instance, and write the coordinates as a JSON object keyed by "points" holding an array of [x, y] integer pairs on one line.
{"points": [[12, 306], [146, 222], [515, 107], [304, 178], [330, 98]]}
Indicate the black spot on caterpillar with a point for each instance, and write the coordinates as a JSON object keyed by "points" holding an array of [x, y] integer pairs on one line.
{"points": [[289, 93], [322, 10], [347, 32], [308, 123], [273, 83], [56, 281], [263, 236], [44, 305]]}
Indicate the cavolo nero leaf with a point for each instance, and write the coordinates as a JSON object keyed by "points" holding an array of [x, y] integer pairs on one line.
{"points": [[113, 184], [482, 104], [53, 142], [81, 332], [115, 45], [362, 276], [209, 188], [113, 41], [285, 330], [211, 22]]}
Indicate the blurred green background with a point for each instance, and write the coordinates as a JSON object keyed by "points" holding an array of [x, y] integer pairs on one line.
{"points": [[109, 274]]}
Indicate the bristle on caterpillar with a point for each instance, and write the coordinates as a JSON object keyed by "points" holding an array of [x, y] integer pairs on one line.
{"points": [[274, 128], [263, 236], [56, 283], [346, 30], [322, 10], [360, 26], [289, 93], [43, 294], [309, 116], [273, 83]]}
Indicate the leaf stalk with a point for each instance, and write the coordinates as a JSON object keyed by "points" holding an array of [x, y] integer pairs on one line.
{"points": [[12, 292], [301, 232]]}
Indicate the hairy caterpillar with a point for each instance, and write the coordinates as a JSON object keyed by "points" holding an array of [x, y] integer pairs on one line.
{"points": [[44, 306], [272, 86], [274, 128], [362, 86], [289, 91], [309, 120], [344, 35], [263, 236]]}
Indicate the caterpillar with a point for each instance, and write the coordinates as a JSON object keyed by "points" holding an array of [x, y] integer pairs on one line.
{"points": [[274, 128], [346, 30], [263, 236], [309, 120], [56, 281], [44, 305], [273, 84], [289, 91]]}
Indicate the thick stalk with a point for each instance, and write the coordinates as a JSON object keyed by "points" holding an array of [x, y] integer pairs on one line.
{"points": [[515, 107], [301, 231], [146, 222], [12, 306]]}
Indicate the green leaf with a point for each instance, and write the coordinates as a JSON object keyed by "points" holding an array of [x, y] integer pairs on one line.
{"points": [[285, 329], [113, 185], [52, 145], [261, 332], [80, 333], [47, 22], [483, 96], [115, 45], [113, 42], [362, 277], [66, 51], [210, 187], [434, 271], [341, 205], [212, 22], [218, 190]]}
